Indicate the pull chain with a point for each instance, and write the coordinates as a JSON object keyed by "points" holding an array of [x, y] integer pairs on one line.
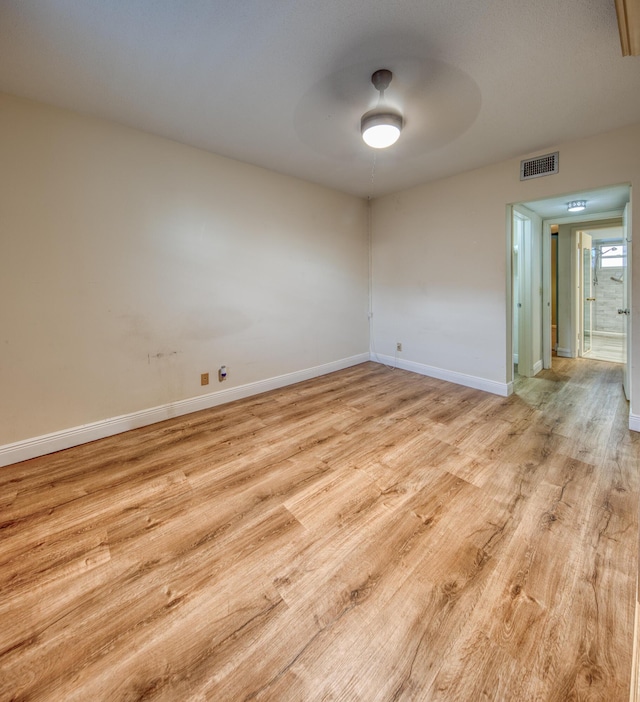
{"points": [[373, 169]]}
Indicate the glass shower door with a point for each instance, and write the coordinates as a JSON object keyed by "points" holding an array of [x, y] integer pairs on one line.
{"points": [[587, 266]]}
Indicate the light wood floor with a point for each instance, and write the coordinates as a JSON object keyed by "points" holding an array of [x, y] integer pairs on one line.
{"points": [[369, 535]]}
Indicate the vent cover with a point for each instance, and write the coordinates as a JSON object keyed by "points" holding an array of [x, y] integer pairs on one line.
{"points": [[539, 166]]}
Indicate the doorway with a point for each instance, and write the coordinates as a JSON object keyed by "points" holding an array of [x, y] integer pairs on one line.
{"points": [[603, 270], [570, 315], [526, 231]]}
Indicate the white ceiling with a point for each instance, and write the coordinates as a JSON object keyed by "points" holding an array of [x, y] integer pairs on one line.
{"points": [[283, 83], [602, 200]]}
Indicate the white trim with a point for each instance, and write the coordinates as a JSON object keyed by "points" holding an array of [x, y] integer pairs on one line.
{"points": [[537, 367], [547, 314], [470, 381], [634, 422], [526, 284], [59, 440], [564, 353], [634, 692], [509, 254]]}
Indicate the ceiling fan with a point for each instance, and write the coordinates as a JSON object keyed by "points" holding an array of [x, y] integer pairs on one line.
{"points": [[628, 12]]}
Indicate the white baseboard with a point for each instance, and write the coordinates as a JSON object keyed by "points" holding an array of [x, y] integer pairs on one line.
{"points": [[470, 381], [634, 693], [634, 422], [564, 353], [537, 367], [59, 440]]}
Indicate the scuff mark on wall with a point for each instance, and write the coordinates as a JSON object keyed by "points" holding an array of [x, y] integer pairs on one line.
{"points": [[158, 356]]}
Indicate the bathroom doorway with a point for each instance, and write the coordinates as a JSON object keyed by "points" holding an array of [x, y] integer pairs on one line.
{"points": [[603, 266]]}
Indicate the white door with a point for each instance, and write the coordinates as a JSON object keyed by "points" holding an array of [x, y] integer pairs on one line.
{"points": [[547, 315], [521, 278], [586, 294], [626, 294], [515, 272]]}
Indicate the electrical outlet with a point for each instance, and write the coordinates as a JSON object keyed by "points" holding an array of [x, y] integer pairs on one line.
{"points": [[398, 346], [204, 379]]}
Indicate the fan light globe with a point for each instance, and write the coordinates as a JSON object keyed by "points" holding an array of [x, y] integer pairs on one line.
{"points": [[380, 130], [381, 126]]}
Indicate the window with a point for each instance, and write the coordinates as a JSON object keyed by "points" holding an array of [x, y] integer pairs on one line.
{"points": [[611, 256]]}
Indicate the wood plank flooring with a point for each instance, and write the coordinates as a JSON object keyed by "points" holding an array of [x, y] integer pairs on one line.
{"points": [[371, 535]]}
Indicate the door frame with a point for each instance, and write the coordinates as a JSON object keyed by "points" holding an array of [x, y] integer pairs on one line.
{"points": [[585, 243], [578, 220], [627, 237], [524, 257], [547, 340], [526, 297]]}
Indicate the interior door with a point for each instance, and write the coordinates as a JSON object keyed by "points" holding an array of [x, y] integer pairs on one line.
{"points": [[522, 257], [587, 296], [626, 294], [548, 313], [515, 272]]}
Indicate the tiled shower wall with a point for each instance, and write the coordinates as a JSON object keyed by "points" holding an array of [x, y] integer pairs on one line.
{"points": [[608, 294]]}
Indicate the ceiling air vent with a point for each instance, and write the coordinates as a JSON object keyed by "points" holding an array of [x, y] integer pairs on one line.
{"points": [[539, 166]]}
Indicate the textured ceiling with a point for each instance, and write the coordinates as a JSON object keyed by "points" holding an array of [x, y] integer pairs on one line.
{"points": [[282, 84]]}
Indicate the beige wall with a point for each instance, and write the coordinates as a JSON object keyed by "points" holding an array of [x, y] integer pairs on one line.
{"points": [[130, 264], [440, 256]]}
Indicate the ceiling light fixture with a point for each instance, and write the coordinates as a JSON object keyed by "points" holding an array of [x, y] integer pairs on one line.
{"points": [[381, 126], [577, 205]]}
